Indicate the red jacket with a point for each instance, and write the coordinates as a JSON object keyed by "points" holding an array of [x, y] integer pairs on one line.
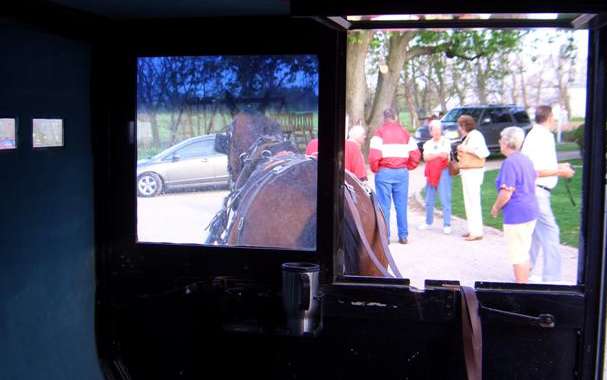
{"points": [[312, 148], [390, 147], [354, 160], [434, 169]]}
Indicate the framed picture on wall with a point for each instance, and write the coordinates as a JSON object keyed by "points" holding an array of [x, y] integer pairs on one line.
{"points": [[47, 133], [8, 133]]}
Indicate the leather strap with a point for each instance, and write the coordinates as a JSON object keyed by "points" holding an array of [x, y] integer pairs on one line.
{"points": [[381, 227], [363, 237], [472, 334]]}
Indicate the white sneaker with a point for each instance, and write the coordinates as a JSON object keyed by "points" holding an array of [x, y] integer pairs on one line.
{"points": [[424, 226], [447, 230]]}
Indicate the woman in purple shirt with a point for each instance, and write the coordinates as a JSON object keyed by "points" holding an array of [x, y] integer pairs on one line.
{"points": [[515, 185]]}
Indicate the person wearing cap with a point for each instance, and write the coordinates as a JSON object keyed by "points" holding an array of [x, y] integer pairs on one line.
{"points": [[539, 146], [389, 151], [437, 152]]}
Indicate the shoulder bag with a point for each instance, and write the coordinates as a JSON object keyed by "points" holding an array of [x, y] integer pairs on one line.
{"points": [[453, 166], [469, 160]]}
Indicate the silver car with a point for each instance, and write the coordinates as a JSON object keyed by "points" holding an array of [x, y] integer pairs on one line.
{"points": [[192, 163]]}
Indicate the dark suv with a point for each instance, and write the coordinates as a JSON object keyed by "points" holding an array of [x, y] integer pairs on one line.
{"points": [[490, 120]]}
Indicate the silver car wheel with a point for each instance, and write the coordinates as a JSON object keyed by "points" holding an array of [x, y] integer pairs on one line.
{"points": [[149, 185]]}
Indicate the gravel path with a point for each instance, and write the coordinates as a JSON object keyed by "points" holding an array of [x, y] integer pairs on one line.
{"points": [[431, 254]]}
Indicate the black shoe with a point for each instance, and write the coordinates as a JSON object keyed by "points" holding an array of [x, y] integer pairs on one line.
{"points": [[403, 241]]}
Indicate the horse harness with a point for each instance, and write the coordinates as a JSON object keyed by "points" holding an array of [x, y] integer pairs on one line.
{"points": [[349, 196], [267, 158], [274, 168]]}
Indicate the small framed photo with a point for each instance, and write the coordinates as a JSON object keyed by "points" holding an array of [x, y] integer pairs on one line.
{"points": [[47, 133], [8, 133]]}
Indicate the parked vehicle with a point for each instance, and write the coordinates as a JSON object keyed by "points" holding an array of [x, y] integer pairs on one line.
{"points": [[491, 120], [192, 163], [7, 143]]}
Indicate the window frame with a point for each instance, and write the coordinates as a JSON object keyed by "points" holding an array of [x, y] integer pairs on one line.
{"points": [[582, 269], [591, 284], [120, 233]]}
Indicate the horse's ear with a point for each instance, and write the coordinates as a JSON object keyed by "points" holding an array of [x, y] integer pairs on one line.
{"points": [[221, 143]]}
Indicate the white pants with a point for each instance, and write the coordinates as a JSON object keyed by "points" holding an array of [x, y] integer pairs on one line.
{"points": [[472, 179]]}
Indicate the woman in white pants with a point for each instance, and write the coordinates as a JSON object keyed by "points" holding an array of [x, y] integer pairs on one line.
{"points": [[471, 156]]}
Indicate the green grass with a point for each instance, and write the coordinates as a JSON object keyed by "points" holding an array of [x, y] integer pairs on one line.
{"points": [[567, 216], [567, 147]]}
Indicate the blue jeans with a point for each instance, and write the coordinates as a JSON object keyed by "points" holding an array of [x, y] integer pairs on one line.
{"points": [[546, 238], [444, 193], [394, 184]]}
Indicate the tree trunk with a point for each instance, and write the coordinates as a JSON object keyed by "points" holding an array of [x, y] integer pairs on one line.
{"points": [[442, 96], [414, 87], [426, 106], [155, 131], [410, 103], [513, 89], [190, 121], [523, 84], [388, 80], [356, 83], [538, 95], [481, 83], [459, 91], [563, 81]]}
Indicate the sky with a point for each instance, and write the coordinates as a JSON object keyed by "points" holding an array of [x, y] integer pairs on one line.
{"points": [[537, 42]]}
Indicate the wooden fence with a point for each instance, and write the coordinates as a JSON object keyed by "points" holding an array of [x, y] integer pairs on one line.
{"points": [[298, 126]]}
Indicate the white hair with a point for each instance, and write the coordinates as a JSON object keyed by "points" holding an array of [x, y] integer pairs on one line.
{"points": [[356, 132], [513, 137], [435, 123]]}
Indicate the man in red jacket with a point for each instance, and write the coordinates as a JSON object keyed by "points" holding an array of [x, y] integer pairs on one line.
{"points": [[388, 156]]}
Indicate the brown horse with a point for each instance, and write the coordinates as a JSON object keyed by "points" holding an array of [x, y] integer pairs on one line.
{"points": [[273, 201]]}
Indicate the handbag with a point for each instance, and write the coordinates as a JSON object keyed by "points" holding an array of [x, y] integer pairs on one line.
{"points": [[469, 160], [453, 166]]}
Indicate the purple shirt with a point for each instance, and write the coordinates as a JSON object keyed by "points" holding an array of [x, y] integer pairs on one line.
{"points": [[517, 173]]}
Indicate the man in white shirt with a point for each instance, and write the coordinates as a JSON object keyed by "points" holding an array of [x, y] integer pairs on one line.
{"points": [[540, 148]]}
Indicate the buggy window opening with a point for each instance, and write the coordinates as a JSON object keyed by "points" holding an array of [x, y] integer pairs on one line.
{"points": [[513, 115], [150, 181]]}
